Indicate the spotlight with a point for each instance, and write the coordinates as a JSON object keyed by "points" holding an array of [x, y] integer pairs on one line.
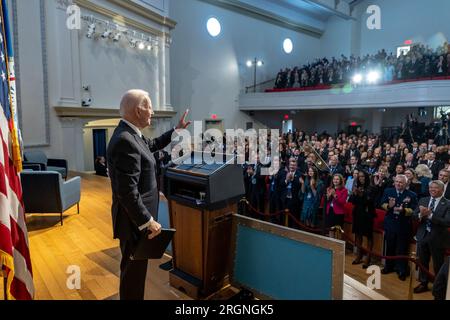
{"points": [[106, 34], [259, 63], [149, 47], [91, 30], [249, 63], [141, 46], [357, 78], [117, 37], [373, 77]]}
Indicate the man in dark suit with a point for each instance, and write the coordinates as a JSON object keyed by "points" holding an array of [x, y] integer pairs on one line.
{"points": [[274, 195], [400, 205], [352, 166], [441, 282], [132, 169], [444, 176], [410, 162], [434, 165], [257, 186], [289, 185], [432, 236]]}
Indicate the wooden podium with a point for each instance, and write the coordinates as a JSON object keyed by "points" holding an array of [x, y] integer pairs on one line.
{"points": [[202, 199]]}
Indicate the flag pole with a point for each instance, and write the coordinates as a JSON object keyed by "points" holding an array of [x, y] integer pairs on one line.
{"points": [[5, 283]]}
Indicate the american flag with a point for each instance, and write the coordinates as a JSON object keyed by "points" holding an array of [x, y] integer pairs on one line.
{"points": [[15, 262]]}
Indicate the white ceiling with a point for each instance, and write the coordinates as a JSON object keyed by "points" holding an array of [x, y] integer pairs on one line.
{"points": [[309, 15]]}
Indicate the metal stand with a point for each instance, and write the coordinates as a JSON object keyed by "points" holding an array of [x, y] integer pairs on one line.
{"points": [[411, 276], [407, 134], [442, 137]]}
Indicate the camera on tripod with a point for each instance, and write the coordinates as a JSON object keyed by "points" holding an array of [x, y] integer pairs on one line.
{"points": [[444, 118], [442, 137]]}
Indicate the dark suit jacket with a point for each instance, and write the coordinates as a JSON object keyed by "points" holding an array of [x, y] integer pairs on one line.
{"points": [[399, 223], [295, 185], [435, 167], [447, 193], [132, 170], [440, 222]]}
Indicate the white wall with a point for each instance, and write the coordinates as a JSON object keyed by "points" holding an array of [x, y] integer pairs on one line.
{"points": [[337, 38], [335, 120], [54, 62], [425, 21], [208, 73], [159, 6], [111, 69]]}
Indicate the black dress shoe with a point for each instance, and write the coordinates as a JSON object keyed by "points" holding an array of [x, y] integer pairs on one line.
{"points": [[357, 261], [402, 276], [421, 288], [386, 271]]}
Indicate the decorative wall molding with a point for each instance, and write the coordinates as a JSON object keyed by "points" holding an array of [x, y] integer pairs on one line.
{"points": [[117, 18], [144, 12], [45, 69], [63, 4], [17, 61], [43, 31], [102, 113], [411, 94]]}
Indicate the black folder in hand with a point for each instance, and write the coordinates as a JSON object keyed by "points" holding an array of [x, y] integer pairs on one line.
{"points": [[153, 248]]}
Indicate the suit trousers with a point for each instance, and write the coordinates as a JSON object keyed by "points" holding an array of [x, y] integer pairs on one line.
{"points": [[132, 274], [425, 251], [396, 245]]}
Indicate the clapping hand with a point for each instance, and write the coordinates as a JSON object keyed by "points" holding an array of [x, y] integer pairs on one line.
{"points": [[289, 176], [424, 211], [391, 202]]}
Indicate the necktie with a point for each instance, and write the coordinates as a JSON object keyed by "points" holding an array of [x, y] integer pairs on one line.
{"points": [[428, 222]]}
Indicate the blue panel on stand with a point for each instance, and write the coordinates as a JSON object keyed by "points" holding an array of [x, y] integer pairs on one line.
{"points": [[163, 219], [282, 268]]}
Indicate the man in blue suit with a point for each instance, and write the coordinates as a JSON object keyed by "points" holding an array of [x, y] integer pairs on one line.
{"points": [[399, 204]]}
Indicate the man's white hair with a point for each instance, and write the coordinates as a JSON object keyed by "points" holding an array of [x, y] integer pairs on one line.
{"points": [[131, 100], [439, 183], [402, 176]]}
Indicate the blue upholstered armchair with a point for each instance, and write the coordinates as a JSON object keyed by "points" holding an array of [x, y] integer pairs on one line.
{"points": [[47, 192], [39, 158]]}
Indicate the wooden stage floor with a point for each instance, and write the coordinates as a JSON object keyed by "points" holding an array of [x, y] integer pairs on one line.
{"points": [[85, 240]]}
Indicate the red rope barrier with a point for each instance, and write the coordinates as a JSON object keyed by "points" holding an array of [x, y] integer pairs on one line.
{"points": [[262, 213], [372, 253], [346, 238]]}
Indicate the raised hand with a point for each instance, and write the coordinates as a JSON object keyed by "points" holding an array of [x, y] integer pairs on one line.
{"points": [[183, 124]]}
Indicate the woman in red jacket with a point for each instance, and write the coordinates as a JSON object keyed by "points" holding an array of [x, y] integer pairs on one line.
{"points": [[336, 198]]}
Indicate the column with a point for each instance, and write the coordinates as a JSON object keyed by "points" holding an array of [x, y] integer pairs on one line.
{"points": [[73, 143]]}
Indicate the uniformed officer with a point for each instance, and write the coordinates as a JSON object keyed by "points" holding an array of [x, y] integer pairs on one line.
{"points": [[399, 204]]}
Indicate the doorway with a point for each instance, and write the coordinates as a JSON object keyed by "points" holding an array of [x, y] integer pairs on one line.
{"points": [[99, 138], [287, 126]]}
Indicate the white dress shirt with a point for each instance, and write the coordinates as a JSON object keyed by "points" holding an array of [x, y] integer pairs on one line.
{"points": [[132, 126]]}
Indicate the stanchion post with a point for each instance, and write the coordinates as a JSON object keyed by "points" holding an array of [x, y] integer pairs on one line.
{"points": [[286, 217], [447, 295], [411, 275]]}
